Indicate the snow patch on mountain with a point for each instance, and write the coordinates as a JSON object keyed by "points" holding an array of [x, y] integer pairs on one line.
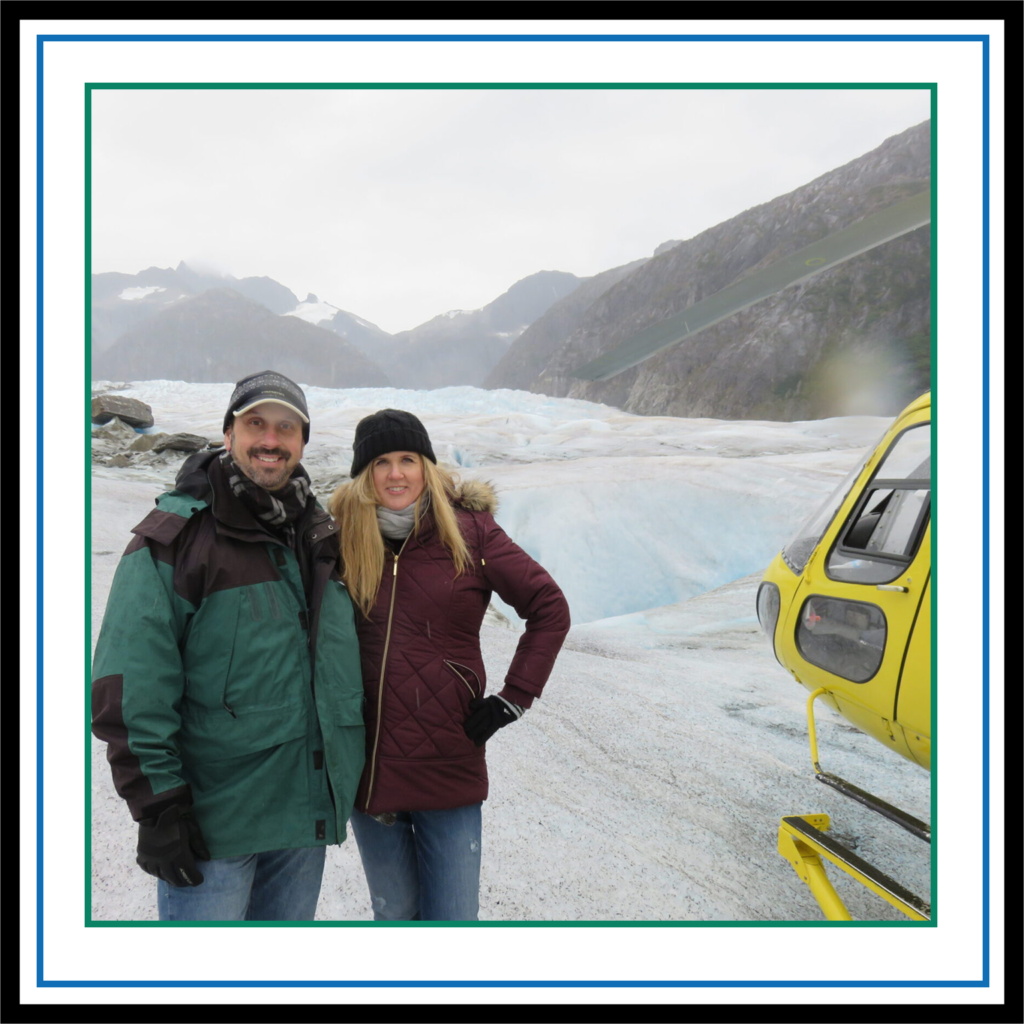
{"points": [[313, 312], [131, 294]]}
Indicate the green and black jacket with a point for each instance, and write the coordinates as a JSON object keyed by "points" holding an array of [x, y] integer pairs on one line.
{"points": [[219, 674]]}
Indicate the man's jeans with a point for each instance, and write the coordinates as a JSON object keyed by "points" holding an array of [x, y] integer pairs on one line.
{"points": [[424, 867], [281, 885]]}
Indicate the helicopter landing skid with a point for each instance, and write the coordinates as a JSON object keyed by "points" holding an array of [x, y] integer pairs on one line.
{"points": [[913, 825], [802, 842]]}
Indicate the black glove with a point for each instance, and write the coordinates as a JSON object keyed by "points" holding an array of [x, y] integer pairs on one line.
{"points": [[169, 844], [486, 716]]}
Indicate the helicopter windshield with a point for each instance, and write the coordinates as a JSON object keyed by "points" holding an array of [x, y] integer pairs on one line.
{"points": [[885, 528], [797, 552]]}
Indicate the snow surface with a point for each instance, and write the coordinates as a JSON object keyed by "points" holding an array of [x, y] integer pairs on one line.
{"points": [[313, 312], [129, 294], [648, 782]]}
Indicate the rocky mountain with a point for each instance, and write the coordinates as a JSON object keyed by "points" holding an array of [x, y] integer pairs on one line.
{"points": [[370, 339], [526, 358], [463, 346], [458, 347], [264, 290], [220, 335], [120, 301], [665, 246], [862, 328]]}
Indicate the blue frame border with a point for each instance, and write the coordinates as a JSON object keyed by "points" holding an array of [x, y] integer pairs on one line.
{"points": [[984, 981]]}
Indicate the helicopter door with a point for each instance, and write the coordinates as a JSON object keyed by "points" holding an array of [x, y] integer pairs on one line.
{"points": [[914, 691], [857, 611]]}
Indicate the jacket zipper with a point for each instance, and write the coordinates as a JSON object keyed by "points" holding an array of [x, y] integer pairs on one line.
{"points": [[380, 681], [455, 668]]}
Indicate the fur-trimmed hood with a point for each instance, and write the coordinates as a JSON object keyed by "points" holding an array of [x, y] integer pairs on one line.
{"points": [[476, 496], [471, 495]]}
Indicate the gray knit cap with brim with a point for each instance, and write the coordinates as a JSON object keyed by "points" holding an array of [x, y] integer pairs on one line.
{"points": [[267, 386]]}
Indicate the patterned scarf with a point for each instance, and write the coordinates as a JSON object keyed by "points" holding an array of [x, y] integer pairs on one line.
{"points": [[277, 510]]}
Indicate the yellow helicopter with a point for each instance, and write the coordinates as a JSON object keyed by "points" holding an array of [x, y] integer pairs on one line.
{"points": [[847, 607], [847, 603]]}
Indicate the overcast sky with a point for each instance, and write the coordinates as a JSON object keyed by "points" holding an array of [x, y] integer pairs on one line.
{"points": [[399, 205]]}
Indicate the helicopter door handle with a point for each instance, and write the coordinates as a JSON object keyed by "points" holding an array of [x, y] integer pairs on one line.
{"points": [[890, 586]]}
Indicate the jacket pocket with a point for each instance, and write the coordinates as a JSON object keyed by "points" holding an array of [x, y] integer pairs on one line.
{"points": [[270, 663], [347, 710], [213, 735], [208, 649], [469, 678], [247, 651]]}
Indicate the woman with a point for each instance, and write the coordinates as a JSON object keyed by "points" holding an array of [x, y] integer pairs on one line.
{"points": [[422, 554]]}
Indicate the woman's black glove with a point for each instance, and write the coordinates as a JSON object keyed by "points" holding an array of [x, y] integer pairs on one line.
{"points": [[487, 715], [169, 844]]}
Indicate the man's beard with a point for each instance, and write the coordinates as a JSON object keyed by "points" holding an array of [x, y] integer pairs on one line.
{"points": [[270, 477]]}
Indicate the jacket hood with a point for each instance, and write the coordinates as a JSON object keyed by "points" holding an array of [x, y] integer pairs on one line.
{"points": [[192, 477], [476, 496], [471, 495]]}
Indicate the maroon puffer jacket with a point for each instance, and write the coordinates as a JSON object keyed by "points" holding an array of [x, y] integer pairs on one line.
{"points": [[422, 639]]}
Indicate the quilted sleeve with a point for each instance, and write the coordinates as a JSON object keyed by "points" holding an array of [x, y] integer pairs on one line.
{"points": [[524, 584], [138, 679]]}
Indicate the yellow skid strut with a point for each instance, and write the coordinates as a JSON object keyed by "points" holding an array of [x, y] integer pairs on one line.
{"points": [[803, 843]]}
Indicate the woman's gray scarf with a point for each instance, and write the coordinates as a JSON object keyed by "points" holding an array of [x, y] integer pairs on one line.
{"points": [[396, 525]]}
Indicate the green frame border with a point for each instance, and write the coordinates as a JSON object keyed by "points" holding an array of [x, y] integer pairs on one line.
{"points": [[90, 87]]}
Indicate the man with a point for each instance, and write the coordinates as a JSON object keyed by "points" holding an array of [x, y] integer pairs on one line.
{"points": [[226, 680]]}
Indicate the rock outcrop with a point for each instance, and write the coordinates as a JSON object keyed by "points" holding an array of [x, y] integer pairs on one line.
{"points": [[107, 407]]}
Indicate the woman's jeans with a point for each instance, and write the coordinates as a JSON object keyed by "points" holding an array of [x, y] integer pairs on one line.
{"points": [[280, 885], [424, 867]]}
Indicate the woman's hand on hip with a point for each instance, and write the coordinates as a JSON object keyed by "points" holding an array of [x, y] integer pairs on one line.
{"points": [[487, 715]]}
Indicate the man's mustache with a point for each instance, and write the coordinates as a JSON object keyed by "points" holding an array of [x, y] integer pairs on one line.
{"points": [[267, 451]]}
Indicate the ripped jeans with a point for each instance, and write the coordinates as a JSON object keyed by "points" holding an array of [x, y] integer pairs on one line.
{"points": [[424, 867]]}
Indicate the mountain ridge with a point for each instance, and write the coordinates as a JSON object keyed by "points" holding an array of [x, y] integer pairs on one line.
{"points": [[222, 335], [861, 327]]}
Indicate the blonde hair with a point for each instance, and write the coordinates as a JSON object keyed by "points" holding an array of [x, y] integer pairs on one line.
{"points": [[354, 506]]}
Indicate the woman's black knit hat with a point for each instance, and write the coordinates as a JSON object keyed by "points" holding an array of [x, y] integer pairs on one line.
{"points": [[388, 430]]}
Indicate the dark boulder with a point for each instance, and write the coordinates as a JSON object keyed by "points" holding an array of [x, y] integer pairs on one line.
{"points": [[130, 410], [180, 443]]}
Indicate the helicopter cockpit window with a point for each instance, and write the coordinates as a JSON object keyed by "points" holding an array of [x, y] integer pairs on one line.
{"points": [[846, 638], [884, 531], [796, 553]]}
